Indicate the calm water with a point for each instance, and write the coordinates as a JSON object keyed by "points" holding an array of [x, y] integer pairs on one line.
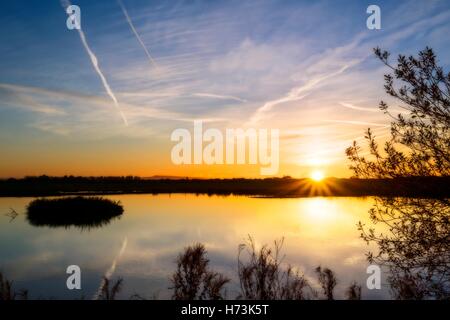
{"points": [[143, 244]]}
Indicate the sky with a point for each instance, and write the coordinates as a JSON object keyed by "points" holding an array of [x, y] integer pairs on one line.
{"points": [[104, 100]]}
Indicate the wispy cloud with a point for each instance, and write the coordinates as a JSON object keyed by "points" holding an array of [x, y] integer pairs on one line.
{"points": [[359, 123], [297, 93], [218, 96], [353, 107], [27, 102], [377, 110], [66, 112]]}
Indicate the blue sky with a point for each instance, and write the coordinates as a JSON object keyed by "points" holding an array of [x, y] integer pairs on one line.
{"points": [[305, 67]]}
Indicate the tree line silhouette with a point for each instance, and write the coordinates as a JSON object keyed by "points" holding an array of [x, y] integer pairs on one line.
{"points": [[413, 186]]}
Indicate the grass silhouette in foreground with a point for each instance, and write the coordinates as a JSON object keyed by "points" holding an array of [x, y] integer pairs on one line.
{"points": [[83, 212], [193, 280], [7, 291], [261, 277], [108, 290]]}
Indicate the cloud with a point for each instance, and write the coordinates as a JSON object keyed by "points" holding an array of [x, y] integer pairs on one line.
{"points": [[336, 61], [297, 93], [359, 123], [377, 110], [65, 112], [26, 102], [218, 96], [353, 107]]}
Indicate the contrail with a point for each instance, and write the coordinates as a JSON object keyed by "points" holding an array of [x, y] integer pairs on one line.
{"points": [[125, 12], [94, 61], [111, 269]]}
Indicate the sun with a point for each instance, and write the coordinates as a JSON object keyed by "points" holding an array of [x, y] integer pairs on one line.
{"points": [[317, 175]]}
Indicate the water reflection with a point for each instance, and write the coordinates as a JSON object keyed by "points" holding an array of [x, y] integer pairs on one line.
{"points": [[317, 231]]}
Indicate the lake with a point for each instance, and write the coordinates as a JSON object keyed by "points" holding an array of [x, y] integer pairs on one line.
{"points": [[141, 246]]}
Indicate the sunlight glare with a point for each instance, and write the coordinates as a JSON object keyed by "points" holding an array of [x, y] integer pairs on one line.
{"points": [[317, 175]]}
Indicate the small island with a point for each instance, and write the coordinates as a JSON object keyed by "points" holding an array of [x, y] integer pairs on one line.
{"points": [[83, 212]]}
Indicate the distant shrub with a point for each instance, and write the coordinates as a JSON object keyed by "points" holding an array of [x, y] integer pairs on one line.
{"points": [[73, 211]]}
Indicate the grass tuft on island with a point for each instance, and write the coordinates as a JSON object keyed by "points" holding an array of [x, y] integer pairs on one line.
{"points": [[83, 212]]}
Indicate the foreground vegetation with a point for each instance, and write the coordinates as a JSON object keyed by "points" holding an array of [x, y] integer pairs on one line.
{"points": [[7, 292], [261, 274]]}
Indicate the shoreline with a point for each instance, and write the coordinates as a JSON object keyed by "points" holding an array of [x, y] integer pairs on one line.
{"points": [[429, 187]]}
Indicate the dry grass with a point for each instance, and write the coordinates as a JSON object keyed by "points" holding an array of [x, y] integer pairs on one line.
{"points": [[193, 280], [354, 292], [110, 290], [262, 276], [327, 281], [8, 293]]}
